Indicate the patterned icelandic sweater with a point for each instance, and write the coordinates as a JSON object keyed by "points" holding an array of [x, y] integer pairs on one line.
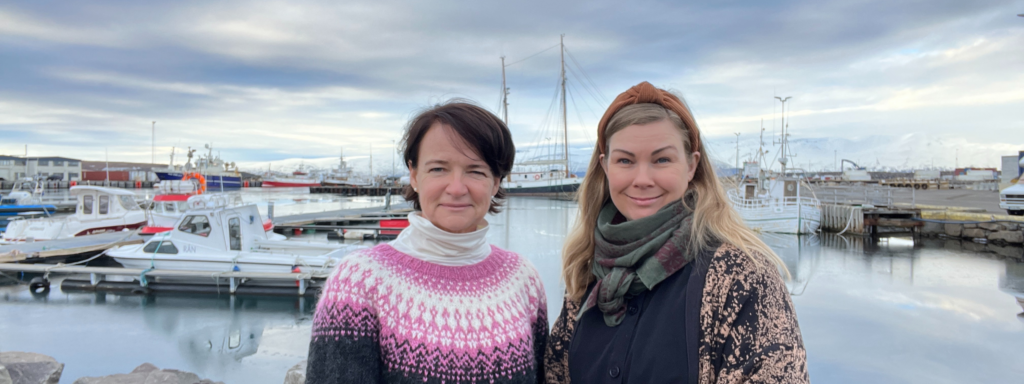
{"points": [[387, 317]]}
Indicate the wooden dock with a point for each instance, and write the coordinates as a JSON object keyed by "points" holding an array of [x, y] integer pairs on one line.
{"points": [[41, 251]]}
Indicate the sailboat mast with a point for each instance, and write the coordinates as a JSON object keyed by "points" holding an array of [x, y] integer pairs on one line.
{"points": [[565, 120], [504, 92]]}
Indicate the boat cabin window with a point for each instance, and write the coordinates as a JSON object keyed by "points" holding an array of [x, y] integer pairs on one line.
{"points": [[128, 203], [168, 207], [104, 204], [165, 247], [235, 234], [196, 225], [182, 206], [87, 204]]}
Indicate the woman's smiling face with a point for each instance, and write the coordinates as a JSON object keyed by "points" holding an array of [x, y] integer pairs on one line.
{"points": [[454, 184], [647, 168]]}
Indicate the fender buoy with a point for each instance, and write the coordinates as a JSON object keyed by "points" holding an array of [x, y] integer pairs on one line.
{"points": [[247, 183], [536, 177], [39, 285], [74, 183], [198, 177], [138, 184]]}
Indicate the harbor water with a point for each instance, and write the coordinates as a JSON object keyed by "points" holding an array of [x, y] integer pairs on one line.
{"points": [[883, 311]]}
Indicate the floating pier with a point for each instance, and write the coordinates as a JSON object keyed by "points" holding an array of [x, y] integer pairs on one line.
{"points": [[358, 191], [215, 282]]}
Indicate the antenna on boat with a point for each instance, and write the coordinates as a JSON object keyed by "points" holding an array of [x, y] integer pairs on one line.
{"points": [[565, 120], [504, 93]]}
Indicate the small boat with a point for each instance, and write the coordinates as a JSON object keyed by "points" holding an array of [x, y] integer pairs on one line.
{"points": [[178, 198], [19, 201], [99, 210], [227, 239]]}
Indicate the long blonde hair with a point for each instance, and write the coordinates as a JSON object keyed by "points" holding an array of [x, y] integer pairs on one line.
{"points": [[714, 219]]}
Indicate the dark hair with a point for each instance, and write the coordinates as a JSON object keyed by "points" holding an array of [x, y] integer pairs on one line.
{"points": [[486, 135]]}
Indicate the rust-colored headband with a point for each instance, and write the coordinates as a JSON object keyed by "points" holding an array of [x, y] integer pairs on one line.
{"points": [[647, 93]]}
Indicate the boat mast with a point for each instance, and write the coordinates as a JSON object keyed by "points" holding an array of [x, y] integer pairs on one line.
{"points": [[504, 92], [565, 121]]}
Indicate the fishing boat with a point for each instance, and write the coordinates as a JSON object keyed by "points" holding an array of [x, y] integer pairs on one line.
{"points": [[772, 201], [218, 174], [298, 179], [344, 176], [549, 175], [99, 210], [223, 239]]}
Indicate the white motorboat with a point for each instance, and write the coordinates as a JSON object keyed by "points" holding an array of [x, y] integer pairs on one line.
{"points": [[227, 239], [168, 209], [99, 210], [344, 176]]}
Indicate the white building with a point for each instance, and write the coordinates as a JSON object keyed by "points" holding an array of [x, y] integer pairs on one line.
{"points": [[16, 167]]}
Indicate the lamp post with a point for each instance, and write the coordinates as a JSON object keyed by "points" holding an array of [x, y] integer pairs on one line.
{"points": [[393, 150], [152, 147]]}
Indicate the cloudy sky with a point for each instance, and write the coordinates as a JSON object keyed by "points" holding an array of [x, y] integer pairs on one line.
{"points": [[884, 82]]}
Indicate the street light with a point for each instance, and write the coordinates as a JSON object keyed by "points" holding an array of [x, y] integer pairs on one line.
{"points": [[393, 150]]}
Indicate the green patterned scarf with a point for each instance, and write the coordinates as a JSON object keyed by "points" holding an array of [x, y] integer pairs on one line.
{"points": [[634, 256]]}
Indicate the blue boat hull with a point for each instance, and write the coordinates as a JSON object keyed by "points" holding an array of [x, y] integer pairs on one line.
{"points": [[213, 183], [14, 210]]}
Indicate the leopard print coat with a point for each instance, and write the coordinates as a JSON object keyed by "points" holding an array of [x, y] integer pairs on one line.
{"points": [[748, 327]]}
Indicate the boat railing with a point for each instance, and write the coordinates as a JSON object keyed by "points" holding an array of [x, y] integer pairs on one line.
{"points": [[772, 202]]}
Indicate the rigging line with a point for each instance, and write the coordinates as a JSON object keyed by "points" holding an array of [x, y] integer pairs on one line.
{"points": [[587, 75], [543, 132], [592, 112], [531, 56], [580, 117], [598, 98]]}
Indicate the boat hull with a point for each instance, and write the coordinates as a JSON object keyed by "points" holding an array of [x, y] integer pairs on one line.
{"points": [[288, 184], [213, 182], [14, 210], [542, 187]]}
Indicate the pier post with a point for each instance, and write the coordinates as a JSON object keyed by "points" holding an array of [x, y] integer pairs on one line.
{"points": [[270, 210]]}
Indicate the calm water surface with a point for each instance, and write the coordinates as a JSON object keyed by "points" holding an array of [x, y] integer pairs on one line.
{"points": [[886, 312]]}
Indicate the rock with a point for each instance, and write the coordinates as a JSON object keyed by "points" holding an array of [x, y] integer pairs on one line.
{"points": [[1012, 226], [120, 378], [31, 368], [974, 233], [970, 226], [1012, 237], [5, 378], [953, 245], [296, 374], [954, 229], [973, 247], [1007, 251], [147, 374], [931, 228], [145, 367], [991, 226]]}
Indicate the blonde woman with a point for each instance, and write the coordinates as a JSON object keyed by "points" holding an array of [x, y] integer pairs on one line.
{"points": [[664, 281]]}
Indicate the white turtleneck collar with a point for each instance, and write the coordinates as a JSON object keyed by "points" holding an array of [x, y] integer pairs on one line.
{"points": [[425, 241]]}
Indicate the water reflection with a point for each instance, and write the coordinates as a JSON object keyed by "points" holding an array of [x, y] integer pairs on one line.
{"points": [[880, 311], [1012, 282]]}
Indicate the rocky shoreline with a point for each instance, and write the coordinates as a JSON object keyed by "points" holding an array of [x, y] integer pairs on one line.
{"points": [[35, 368]]}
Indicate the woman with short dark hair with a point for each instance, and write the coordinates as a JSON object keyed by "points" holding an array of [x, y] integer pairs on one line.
{"points": [[438, 304]]}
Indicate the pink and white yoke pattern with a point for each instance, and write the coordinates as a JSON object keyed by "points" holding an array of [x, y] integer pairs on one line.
{"points": [[386, 316]]}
